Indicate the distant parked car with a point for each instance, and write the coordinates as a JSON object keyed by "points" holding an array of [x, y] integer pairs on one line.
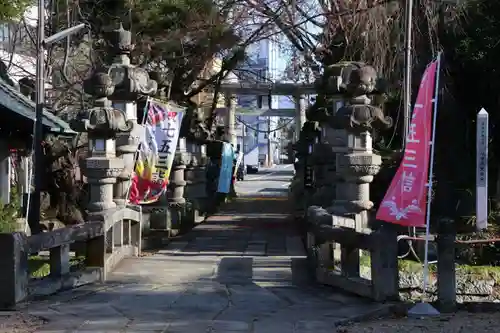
{"points": [[252, 169]]}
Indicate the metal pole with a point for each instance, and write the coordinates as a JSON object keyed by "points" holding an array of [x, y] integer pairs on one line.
{"points": [[269, 148], [34, 220], [431, 171], [243, 144], [407, 74]]}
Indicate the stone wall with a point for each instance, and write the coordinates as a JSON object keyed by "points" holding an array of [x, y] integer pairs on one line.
{"points": [[474, 283]]}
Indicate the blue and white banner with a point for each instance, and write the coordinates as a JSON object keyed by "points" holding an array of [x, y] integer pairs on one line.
{"points": [[226, 168]]}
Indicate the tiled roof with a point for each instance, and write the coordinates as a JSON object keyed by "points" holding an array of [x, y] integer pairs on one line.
{"points": [[13, 100]]}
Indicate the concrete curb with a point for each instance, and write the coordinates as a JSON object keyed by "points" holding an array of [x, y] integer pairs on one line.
{"points": [[379, 311]]}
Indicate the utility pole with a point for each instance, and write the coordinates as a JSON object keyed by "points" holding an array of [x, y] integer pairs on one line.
{"points": [[42, 43], [34, 213], [407, 73]]}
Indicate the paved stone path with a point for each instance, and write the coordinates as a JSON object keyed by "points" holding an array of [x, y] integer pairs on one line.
{"points": [[241, 271]]}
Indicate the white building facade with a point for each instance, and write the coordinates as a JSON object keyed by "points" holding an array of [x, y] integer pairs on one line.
{"points": [[258, 136]]}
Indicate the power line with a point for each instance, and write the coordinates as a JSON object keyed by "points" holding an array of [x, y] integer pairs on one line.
{"points": [[261, 131]]}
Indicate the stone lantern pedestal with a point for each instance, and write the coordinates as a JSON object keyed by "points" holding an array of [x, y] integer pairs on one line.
{"points": [[167, 216], [175, 193], [102, 168]]}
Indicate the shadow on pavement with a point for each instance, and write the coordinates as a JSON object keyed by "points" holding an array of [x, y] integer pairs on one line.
{"points": [[274, 189], [268, 179]]}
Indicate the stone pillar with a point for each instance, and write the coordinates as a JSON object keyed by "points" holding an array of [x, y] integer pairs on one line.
{"points": [[300, 113], [231, 104], [130, 83]]}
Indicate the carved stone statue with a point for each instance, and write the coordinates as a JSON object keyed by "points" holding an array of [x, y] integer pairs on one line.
{"points": [[65, 192], [360, 115]]}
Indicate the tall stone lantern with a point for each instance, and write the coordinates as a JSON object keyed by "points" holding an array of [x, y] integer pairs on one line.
{"points": [[103, 124], [131, 84], [197, 136], [349, 133]]}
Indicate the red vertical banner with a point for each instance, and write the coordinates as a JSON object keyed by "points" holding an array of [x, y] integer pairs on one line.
{"points": [[405, 201]]}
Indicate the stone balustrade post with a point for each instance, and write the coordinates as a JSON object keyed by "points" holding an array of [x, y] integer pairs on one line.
{"points": [[446, 270]]}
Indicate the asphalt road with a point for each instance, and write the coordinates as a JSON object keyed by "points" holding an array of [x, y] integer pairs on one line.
{"points": [[267, 182]]}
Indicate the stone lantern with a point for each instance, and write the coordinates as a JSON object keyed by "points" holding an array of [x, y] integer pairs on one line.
{"points": [[103, 124], [197, 137], [347, 136], [131, 84], [357, 164]]}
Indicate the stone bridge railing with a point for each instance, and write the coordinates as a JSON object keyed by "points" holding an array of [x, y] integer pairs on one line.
{"points": [[105, 243], [340, 266]]}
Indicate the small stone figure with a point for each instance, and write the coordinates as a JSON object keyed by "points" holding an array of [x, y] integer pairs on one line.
{"points": [[360, 115]]}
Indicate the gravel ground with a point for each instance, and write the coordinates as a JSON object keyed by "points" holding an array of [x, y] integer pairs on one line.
{"points": [[18, 322], [463, 322]]}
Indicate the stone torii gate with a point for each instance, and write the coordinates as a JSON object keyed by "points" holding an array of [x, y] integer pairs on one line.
{"points": [[233, 89]]}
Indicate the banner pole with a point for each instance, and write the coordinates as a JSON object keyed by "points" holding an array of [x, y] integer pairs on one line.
{"points": [[431, 170], [425, 309]]}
